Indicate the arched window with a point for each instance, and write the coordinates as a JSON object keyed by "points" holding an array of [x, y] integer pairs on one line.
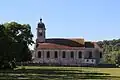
{"points": [[48, 54], [90, 54], [56, 54], [80, 54], [63, 54], [72, 54], [100, 54], [39, 54]]}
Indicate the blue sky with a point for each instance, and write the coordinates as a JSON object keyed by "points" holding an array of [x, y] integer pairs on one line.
{"points": [[89, 19]]}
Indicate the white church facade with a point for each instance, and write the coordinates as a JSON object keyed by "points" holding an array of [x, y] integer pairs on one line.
{"points": [[62, 51]]}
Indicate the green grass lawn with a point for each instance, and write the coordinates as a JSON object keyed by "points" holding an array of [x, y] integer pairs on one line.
{"points": [[60, 73]]}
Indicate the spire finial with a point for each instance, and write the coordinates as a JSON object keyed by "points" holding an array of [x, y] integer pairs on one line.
{"points": [[40, 19]]}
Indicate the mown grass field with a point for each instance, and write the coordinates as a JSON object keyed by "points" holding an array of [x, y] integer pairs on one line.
{"points": [[60, 73]]}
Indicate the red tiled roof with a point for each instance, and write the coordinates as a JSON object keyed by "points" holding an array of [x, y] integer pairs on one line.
{"points": [[67, 42], [60, 43], [55, 46]]}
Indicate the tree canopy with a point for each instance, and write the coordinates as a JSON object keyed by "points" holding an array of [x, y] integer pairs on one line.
{"points": [[111, 50], [14, 40]]}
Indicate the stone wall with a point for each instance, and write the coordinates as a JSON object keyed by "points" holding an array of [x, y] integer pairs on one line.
{"points": [[95, 59]]}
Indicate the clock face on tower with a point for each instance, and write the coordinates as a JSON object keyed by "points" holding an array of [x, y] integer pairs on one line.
{"points": [[40, 31]]}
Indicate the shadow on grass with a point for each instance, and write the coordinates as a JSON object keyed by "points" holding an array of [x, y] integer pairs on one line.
{"points": [[46, 74]]}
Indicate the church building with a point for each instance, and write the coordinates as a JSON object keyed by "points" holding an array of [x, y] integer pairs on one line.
{"points": [[65, 51]]}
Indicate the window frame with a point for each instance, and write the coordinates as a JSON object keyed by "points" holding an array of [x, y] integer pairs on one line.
{"points": [[63, 54], [39, 54], [72, 54], [80, 54], [48, 54], [90, 54], [100, 54], [56, 54]]}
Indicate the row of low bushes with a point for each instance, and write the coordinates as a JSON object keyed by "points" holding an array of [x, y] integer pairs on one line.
{"points": [[7, 64], [12, 64]]}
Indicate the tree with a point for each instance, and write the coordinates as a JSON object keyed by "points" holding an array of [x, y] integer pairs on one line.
{"points": [[14, 40], [117, 58], [4, 46], [110, 50], [21, 37]]}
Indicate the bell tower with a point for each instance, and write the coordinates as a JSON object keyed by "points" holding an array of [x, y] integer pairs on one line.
{"points": [[40, 32]]}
